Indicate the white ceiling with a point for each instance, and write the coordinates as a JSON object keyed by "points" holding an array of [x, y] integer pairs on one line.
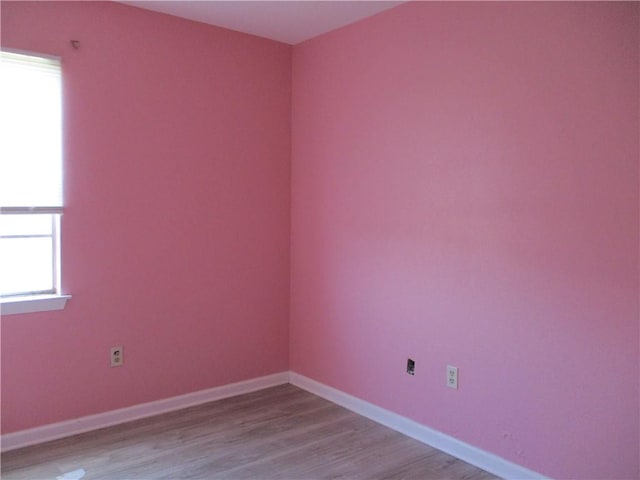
{"points": [[285, 21]]}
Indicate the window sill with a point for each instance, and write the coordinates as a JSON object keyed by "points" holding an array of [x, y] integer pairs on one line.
{"points": [[32, 303]]}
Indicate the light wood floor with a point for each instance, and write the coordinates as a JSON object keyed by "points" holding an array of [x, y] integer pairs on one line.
{"points": [[277, 433]]}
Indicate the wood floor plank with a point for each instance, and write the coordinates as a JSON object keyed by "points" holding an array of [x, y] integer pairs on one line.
{"points": [[276, 433]]}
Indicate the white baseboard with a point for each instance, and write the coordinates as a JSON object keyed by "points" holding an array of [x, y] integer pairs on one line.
{"points": [[468, 453], [53, 431]]}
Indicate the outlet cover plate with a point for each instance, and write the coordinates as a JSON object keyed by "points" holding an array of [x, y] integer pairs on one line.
{"points": [[117, 356], [452, 377]]}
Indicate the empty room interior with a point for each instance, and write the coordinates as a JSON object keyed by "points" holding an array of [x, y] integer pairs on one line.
{"points": [[322, 240]]}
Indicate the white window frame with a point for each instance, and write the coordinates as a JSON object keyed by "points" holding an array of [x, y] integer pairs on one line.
{"points": [[53, 299]]}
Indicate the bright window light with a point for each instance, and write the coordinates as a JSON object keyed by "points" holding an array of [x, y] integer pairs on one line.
{"points": [[30, 174]]}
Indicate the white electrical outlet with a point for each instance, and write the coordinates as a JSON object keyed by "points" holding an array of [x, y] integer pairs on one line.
{"points": [[452, 377], [117, 356]]}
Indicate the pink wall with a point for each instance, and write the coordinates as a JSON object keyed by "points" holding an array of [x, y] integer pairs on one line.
{"points": [[176, 231], [465, 192]]}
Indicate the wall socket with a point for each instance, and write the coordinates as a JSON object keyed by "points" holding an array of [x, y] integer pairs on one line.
{"points": [[411, 367], [117, 356], [452, 377]]}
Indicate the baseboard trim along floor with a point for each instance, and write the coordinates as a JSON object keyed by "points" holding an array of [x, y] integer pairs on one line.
{"points": [[53, 431], [468, 453]]}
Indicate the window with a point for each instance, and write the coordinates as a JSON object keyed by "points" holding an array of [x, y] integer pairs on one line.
{"points": [[30, 183]]}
